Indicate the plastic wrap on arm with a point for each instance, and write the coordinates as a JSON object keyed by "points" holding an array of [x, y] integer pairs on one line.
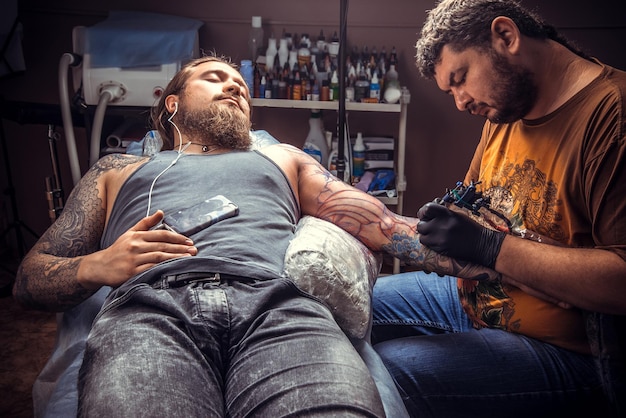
{"points": [[329, 263]]}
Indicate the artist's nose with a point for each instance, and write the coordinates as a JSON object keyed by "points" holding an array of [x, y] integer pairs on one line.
{"points": [[461, 99]]}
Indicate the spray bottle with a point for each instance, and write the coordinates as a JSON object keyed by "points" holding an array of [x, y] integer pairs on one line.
{"points": [[315, 143], [358, 156], [255, 38]]}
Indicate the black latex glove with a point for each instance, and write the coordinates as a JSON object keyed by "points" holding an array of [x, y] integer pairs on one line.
{"points": [[457, 236]]}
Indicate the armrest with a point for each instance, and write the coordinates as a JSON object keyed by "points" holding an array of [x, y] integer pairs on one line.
{"points": [[329, 263]]}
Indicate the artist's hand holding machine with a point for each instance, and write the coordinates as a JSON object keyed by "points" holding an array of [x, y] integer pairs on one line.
{"points": [[452, 232], [456, 235], [463, 225]]}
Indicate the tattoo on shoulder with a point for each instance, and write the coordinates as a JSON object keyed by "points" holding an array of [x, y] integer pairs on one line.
{"points": [[51, 280], [77, 231], [116, 161]]}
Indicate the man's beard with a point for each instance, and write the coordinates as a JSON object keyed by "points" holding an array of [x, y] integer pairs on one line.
{"points": [[218, 124], [514, 90]]}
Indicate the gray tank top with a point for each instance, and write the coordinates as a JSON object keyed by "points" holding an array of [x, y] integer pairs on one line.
{"points": [[251, 244]]}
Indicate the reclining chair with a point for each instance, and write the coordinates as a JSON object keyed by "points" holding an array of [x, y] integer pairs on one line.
{"points": [[322, 259]]}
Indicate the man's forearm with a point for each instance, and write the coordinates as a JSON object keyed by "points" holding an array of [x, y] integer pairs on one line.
{"points": [[49, 283], [408, 248], [587, 278]]}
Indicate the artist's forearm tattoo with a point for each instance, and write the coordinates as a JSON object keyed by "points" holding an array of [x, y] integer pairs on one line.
{"points": [[47, 277], [409, 249]]}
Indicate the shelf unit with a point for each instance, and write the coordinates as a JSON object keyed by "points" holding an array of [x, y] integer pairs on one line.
{"points": [[400, 108]]}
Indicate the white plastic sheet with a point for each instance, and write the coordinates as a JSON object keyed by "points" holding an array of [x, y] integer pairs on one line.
{"points": [[329, 263]]}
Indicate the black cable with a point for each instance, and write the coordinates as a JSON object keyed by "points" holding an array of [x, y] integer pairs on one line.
{"points": [[341, 131]]}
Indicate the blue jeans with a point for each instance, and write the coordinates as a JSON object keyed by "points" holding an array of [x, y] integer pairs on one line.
{"points": [[446, 368], [235, 348]]}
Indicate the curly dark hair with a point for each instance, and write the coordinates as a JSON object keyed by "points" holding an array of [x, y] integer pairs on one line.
{"points": [[462, 24]]}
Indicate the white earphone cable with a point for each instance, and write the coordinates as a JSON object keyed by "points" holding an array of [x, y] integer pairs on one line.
{"points": [[181, 149]]}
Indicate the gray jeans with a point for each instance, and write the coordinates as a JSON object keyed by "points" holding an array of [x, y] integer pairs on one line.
{"points": [[229, 347]]}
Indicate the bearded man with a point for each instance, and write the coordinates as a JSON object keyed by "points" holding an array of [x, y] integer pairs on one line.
{"points": [[551, 162], [206, 324]]}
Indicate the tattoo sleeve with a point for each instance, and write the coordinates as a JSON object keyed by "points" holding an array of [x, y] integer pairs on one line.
{"points": [[380, 229], [47, 277]]}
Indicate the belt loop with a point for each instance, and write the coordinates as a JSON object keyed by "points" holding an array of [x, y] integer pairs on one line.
{"points": [[163, 283], [183, 279]]}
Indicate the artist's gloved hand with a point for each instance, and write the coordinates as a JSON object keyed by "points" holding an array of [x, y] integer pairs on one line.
{"points": [[457, 236]]}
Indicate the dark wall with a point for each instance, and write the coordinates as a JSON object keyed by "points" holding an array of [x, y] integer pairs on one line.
{"points": [[440, 140]]}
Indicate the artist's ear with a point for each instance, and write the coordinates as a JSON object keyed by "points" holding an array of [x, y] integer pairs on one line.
{"points": [[505, 35], [171, 102]]}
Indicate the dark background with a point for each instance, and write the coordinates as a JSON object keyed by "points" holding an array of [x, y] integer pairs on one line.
{"points": [[440, 140]]}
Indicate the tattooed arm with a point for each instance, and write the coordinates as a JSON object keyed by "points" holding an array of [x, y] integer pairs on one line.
{"points": [[324, 196], [66, 265]]}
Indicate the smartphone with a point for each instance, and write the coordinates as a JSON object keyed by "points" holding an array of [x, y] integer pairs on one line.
{"points": [[202, 215]]}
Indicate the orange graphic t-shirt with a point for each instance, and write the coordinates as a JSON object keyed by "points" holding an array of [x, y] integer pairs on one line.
{"points": [[558, 177]]}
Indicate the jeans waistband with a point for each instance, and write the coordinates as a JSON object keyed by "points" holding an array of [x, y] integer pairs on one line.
{"points": [[182, 279]]}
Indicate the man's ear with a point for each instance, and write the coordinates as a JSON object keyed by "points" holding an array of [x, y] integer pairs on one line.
{"points": [[171, 103], [505, 35]]}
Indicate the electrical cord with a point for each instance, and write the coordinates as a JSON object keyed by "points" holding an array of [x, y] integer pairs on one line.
{"points": [[66, 61], [109, 94]]}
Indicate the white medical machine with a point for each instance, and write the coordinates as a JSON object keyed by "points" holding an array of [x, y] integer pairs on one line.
{"points": [[126, 60]]}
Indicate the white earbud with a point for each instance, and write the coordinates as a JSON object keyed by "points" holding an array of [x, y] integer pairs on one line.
{"points": [[174, 112], [180, 137]]}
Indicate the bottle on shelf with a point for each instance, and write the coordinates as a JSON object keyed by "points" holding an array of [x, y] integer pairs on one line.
{"points": [[307, 88], [315, 88], [269, 85], [375, 87], [293, 59], [296, 90], [257, 82], [283, 52], [347, 155], [325, 91], [350, 87], [304, 53], [270, 54], [282, 89], [334, 87], [304, 80], [373, 58], [329, 142], [262, 87], [247, 71], [361, 85], [255, 38], [315, 144], [358, 156], [289, 80], [333, 50], [392, 85], [321, 47], [315, 53], [382, 69]]}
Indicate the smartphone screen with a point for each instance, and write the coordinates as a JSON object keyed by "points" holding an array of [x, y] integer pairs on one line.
{"points": [[202, 215]]}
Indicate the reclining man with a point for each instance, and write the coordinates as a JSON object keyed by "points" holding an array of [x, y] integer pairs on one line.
{"points": [[209, 327]]}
